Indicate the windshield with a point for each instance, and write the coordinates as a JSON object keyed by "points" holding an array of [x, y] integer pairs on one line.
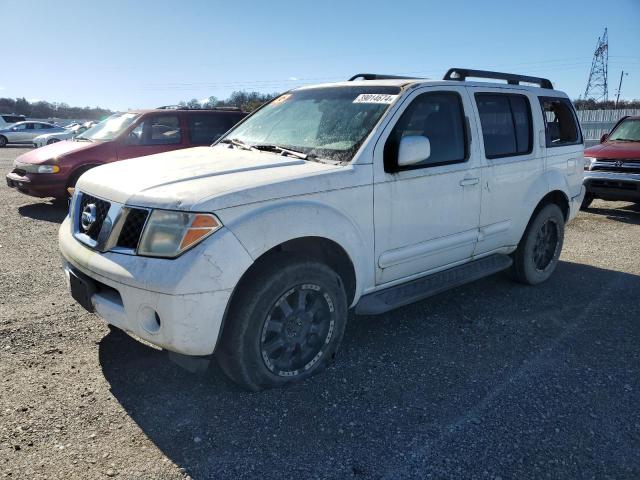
{"points": [[628, 130], [109, 128], [329, 122]]}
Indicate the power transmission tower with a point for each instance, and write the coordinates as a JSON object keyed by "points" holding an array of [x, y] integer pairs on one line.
{"points": [[597, 86]]}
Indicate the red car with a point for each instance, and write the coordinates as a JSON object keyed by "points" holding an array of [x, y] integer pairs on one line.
{"points": [[612, 169], [52, 170]]}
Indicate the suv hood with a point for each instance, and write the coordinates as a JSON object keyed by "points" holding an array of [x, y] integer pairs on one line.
{"points": [[210, 178], [53, 151], [615, 150]]}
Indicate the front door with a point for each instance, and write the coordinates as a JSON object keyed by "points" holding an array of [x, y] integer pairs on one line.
{"points": [[152, 134], [427, 215]]}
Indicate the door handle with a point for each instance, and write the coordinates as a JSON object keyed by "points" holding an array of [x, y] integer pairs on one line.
{"points": [[469, 181]]}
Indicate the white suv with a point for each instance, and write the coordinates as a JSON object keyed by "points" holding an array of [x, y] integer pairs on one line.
{"points": [[366, 194]]}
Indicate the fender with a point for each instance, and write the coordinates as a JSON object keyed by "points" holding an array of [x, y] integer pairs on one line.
{"points": [[279, 222]]}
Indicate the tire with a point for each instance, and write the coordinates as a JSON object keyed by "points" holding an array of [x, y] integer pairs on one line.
{"points": [[73, 179], [285, 324], [3, 141], [52, 141], [538, 252], [586, 201]]}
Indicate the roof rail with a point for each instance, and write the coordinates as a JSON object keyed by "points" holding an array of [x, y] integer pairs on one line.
{"points": [[511, 78], [181, 107], [378, 76]]}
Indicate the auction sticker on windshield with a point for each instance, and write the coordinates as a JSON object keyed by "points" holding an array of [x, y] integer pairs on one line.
{"points": [[375, 98]]}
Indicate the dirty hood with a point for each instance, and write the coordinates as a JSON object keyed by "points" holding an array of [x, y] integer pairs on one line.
{"points": [[209, 178], [615, 150], [53, 151]]}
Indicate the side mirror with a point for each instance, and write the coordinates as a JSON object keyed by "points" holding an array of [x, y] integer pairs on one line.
{"points": [[604, 137], [413, 149]]}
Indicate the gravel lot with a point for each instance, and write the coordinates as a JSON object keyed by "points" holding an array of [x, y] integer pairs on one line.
{"points": [[491, 380]]}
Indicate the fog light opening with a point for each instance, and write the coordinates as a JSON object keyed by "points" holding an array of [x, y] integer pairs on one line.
{"points": [[150, 320]]}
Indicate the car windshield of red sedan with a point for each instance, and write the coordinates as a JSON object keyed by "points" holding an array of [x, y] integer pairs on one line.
{"points": [[627, 131], [109, 128]]}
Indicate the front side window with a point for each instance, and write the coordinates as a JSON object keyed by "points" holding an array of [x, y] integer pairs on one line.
{"points": [[627, 131], [561, 125], [109, 128], [325, 122], [20, 127], [506, 124], [156, 130], [439, 117]]}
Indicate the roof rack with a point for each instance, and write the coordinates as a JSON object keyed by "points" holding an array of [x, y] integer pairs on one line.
{"points": [[378, 76], [511, 78], [184, 107]]}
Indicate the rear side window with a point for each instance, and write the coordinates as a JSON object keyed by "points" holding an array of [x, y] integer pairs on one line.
{"points": [[207, 128], [439, 116], [12, 118], [506, 124], [561, 125]]}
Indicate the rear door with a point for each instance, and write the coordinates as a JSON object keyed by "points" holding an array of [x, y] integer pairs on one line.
{"points": [[426, 216], [153, 133], [512, 163], [563, 141]]}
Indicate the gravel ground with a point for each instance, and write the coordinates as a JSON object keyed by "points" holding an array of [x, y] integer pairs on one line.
{"points": [[490, 380]]}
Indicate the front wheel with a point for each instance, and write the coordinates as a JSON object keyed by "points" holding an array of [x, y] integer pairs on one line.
{"points": [[52, 141], [285, 324], [3, 141], [538, 252]]}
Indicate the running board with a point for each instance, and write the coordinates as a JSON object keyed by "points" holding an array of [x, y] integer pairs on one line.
{"points": [[424, 287]]}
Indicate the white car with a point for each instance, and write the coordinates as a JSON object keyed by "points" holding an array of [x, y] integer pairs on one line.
{"points": [[68, 134], [368, 194]]}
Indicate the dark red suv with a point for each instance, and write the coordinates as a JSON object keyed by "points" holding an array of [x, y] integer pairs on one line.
{"points": [[51, 170]]}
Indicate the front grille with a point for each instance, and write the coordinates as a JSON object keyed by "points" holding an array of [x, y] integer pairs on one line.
{"points": [[102, 208], [618, 166], [132, 228]]}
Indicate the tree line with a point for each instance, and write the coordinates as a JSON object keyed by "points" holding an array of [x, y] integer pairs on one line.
{"points": [[247, 101]]}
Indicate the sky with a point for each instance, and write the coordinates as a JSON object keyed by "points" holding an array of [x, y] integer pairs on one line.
{"points": [[141, 54]]}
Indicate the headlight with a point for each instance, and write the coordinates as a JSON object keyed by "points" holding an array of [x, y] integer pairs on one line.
{"points": [[588, 161], [48, 169], [169, 234]]}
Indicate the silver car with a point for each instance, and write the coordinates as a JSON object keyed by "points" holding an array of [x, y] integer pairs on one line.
{"points": [[25, 132]]}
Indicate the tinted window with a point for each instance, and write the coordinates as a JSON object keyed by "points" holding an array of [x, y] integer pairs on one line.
{"points": [[437, 116], [561, 125], [506, 124], [12, 118], [156, 130], [206, 128]]}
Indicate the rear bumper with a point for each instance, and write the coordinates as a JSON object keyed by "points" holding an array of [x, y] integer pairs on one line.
{"points": [[613, 186], [38, 184], [575, 202]]}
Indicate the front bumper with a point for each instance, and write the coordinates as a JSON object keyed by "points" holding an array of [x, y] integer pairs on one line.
{"points": [[612, 185], [175, 304], [38, 184]]}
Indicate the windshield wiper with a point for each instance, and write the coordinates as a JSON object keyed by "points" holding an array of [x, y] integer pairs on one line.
{"points": [[237, 143], [83, 139], [282, 150], [625, 140]]}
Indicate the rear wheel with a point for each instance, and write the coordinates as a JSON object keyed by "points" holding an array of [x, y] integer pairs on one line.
{"points": [[3, 141], [285, 325], [538, 252], [586, 201]]}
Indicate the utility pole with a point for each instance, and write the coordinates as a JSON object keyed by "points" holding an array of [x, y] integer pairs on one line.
{"points": [[597, 86], [620, 87]]}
